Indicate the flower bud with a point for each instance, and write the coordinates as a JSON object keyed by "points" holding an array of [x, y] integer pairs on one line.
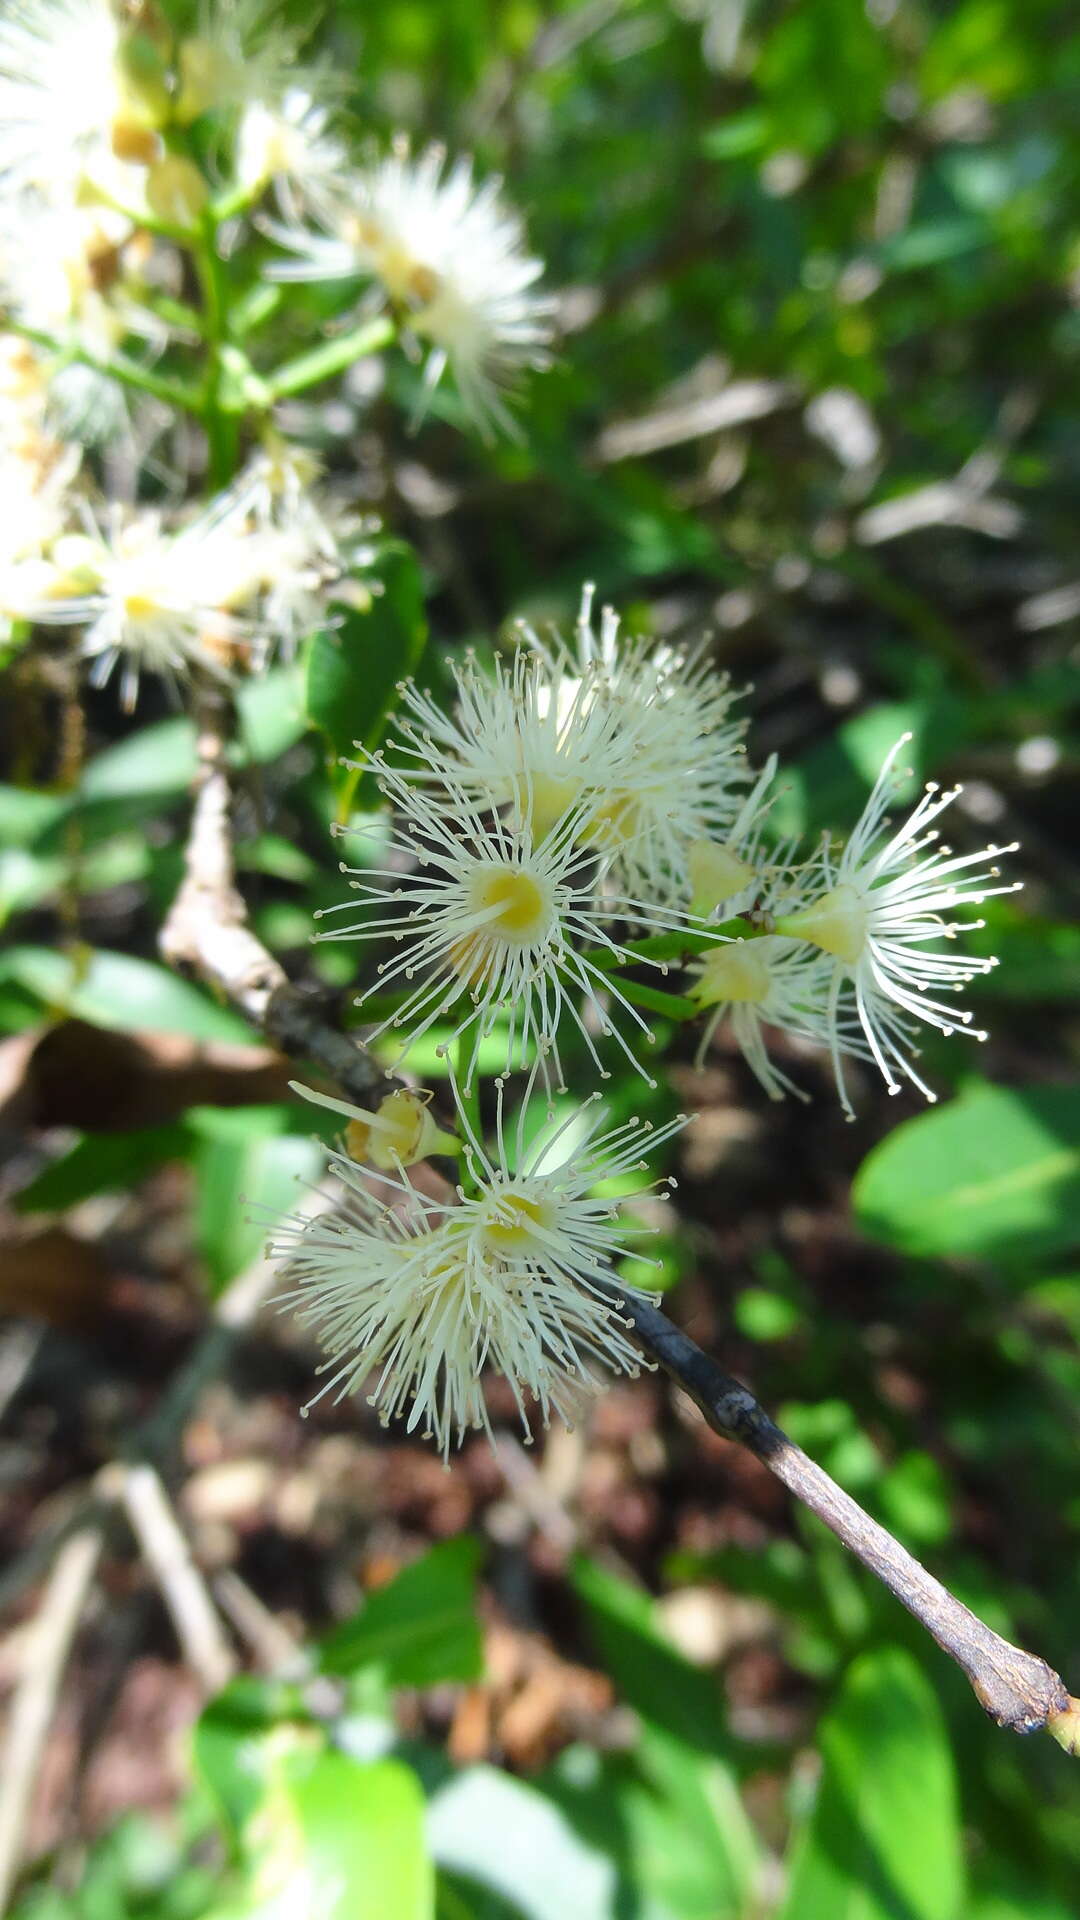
{"points": [[207, 80], [176, 190], [401, 1131]]}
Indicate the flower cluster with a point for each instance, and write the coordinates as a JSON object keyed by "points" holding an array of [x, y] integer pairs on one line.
{"points": [[584, 809]]}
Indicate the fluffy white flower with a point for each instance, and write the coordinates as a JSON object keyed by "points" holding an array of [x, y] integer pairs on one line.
{"points": [[291, 142], [69, 112], [152, 599], [451, 260], [513, 1276], [637, 744], [491, 927], [875, 909], [687, 763]]}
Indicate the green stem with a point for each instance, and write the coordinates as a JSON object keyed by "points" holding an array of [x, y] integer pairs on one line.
{"points": [[175, 393], [222, 427], [322, 362]]}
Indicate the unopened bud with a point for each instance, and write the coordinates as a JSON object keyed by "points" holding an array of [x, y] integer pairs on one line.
{"points": [[176, 190], [400, 1132]]}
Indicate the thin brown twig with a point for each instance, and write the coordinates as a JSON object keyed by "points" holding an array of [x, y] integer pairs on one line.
{"points": [[168, 1554], [207, 930]]}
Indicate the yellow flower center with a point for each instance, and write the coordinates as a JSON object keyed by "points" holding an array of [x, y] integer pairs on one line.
{"points": [[512, 1223]]}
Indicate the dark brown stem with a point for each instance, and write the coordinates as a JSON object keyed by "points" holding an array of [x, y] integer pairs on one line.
{"points": [[207, 931], [1017, 1689]]}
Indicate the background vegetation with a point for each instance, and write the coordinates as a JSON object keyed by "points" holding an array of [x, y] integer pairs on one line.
{"points": [[816, 389]]}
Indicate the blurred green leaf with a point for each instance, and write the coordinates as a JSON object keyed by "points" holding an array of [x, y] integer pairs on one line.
{"points": [[883, 1840], [506, 1840], [650, 1673], [335, 1839], [354, 665], [994, 1173], [117, 990], [247, 1169], [421, 1628], [102, 1163]]}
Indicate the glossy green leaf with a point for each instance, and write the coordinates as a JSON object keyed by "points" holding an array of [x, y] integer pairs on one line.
{"points": [[355, 664], [421, 1628], [519, 1851], [883, 1840], [995, 1173]]}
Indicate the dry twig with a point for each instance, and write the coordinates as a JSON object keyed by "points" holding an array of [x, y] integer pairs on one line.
{"points": [[35, 1697]]}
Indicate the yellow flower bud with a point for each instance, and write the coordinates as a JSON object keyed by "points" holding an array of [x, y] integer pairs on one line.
{"points": [[837, 923], [400, 1132]]}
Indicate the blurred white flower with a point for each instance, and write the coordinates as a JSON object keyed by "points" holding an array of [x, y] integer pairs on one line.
{"points": [[875, 908], [72, 110], [422, 1297], [451, 260], [68, 270], [153, 600], [490, 927], [35, 476], [290, 142], [304, 539]]}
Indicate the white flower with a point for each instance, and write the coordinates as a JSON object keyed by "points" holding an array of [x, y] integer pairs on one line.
{"points": [[303, 540], [637, 745], [65, 269], [490, 927], [290, 141], [69, 114], [514, 1276], [767, 982], [876, 909], [451, 259], [520, 739], [152, 599], [687, 759]]}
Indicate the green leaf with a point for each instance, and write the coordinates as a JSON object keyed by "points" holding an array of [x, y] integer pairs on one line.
{"points": [[117, 990], [336, 1839], [421, 1628], [241, 1169], [235, 1739], [883, 1840], [354, 666], [994, 1173], [102, 1163], [158, 760], [518, 1853]]}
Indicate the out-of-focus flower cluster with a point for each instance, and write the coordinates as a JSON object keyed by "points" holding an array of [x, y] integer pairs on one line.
{"points": [[130, 153]]}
